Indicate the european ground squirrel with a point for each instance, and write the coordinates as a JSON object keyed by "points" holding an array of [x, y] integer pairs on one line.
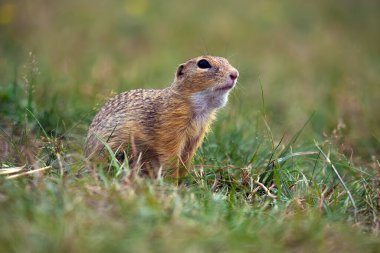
{"points": [[160, 129]]}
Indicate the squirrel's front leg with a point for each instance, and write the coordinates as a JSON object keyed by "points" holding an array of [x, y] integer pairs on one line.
{"points": [[188, 153]]}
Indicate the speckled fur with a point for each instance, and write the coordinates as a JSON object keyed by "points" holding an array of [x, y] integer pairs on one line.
{"points": [[162, 129]]}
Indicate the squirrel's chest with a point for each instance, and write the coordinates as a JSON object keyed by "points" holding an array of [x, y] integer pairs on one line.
{"points": [[198, 127]]}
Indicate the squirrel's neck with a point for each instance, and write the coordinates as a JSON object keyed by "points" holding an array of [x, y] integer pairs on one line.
{"points": [[197, 108], [205, 103], [201, 104]]}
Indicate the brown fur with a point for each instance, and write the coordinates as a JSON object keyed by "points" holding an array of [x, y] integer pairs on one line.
{"points": [[162, 129]]}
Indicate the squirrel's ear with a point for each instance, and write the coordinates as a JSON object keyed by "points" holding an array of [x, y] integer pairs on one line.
{"points": [[180, 70]]}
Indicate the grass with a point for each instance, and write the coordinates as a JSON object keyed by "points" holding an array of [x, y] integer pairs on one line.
{"points": [[292, 163]]}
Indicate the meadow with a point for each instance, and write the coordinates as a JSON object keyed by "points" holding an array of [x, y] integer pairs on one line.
{"points": [[292, 162]]}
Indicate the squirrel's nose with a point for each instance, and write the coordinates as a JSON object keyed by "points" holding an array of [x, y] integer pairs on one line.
{"points": [[234, 75]]}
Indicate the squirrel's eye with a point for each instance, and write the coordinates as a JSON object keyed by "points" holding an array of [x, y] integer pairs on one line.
{"points": [[204, 64]]}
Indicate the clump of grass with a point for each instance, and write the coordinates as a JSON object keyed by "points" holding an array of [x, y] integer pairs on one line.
{"points": [[281, 198]]}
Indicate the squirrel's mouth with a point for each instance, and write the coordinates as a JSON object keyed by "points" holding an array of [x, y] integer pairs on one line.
{"points": [[227, 87]]}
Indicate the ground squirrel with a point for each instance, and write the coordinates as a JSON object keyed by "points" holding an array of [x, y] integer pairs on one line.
{"points": [[160, 129]]}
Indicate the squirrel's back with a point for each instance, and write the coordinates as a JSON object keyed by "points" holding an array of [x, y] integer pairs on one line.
{"points": [[134, 109]]}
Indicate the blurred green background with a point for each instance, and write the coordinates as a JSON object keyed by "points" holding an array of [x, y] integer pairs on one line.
{"points": [[321, 57]]}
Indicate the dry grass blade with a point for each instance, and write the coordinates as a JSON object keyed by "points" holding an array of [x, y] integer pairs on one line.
{"points": [[5, 171], [28, 172], [265, 189], [340, 179]]}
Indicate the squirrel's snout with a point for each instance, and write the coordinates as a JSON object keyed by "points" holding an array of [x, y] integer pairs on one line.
{"points": [[234, 75]]}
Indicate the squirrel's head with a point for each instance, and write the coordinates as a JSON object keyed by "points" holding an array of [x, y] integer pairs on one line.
{"points": [[207, 80], [204, 73]]}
